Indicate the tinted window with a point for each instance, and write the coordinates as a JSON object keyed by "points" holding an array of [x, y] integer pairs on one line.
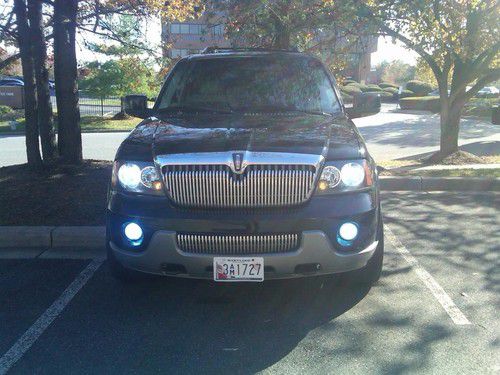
{"points": [[252, 84]]}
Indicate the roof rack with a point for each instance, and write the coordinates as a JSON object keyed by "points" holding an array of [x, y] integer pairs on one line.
{"points": [[215, 49]]}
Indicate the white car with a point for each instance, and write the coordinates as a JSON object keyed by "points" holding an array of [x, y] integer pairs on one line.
{"points": [[488, 91]]}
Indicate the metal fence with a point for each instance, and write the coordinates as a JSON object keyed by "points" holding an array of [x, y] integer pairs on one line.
{"points": [[95, 106]]}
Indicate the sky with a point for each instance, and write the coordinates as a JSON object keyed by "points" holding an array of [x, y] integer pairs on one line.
{"points": [[389, 51]]}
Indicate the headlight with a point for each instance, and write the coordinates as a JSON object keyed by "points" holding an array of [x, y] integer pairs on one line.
{"points": [[330, 177], [136, 177], [341, 176], [352, 174], [129, 175]]}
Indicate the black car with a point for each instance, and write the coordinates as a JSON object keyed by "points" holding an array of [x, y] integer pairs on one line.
{"points": [[247, 168]]}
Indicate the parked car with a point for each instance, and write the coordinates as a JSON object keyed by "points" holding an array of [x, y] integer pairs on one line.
{"points": [[488, 92], [11, 82], [247, 168]]}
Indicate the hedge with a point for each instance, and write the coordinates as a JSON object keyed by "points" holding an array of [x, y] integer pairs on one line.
{"points": [[385, 85], [350, 82], [419, 88], [374, 88], [424, 103], [5, 109], [406, 94], [350, 89], [391, 90]]}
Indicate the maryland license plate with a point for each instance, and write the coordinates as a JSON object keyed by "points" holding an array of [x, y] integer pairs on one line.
{"points": [[238, 269]]}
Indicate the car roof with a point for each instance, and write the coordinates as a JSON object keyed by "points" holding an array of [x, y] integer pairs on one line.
{"points": [[224, 53]]}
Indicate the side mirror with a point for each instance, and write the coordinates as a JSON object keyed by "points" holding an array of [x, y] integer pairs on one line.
{"points": [[364, 104], [136, 105]]}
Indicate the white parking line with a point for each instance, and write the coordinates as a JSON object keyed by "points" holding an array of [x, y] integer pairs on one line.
{"points": [[443, 298], [24, 343]]}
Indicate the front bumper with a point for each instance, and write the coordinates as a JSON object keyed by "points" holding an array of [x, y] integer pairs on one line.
{"points": [[317, 221], [315, 256]]}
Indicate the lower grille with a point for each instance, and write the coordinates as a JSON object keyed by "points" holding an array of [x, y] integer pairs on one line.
{"points": [[237, 244]]}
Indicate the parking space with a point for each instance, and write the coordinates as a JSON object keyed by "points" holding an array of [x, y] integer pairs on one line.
{"points": [[313, 325]]}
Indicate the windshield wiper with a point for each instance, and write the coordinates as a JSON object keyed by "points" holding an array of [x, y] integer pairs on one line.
{"points": [[288, 109], [193, 109]]}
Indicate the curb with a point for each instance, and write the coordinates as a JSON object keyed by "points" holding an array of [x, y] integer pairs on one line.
{"points": [[423, 183], [52, 237]]}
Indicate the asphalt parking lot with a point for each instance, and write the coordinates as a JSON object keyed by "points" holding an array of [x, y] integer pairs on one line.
{"points": [[435, 309]]}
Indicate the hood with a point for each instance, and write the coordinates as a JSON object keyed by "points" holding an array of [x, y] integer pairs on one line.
{"points": [[333, 137]]}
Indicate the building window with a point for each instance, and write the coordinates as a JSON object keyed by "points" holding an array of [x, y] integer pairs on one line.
{"points": [[218, 30], [175, 28]]}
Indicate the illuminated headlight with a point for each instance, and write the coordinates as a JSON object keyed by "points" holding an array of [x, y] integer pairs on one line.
{"points": [[129, 175], [345, 176], [330, 177], [138, 177], [133, 232], [347, 233], [352, 174]]}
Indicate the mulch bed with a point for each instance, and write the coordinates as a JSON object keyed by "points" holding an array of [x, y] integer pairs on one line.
{"points": [[57, 195]]}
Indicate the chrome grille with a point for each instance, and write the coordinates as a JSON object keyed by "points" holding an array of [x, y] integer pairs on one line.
{"points": [[237, 244], [258, 186]]}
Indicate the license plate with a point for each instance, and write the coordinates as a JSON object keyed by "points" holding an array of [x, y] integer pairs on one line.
{"points": [[238, 269]]}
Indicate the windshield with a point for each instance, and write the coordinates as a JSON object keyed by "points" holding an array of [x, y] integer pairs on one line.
{"points": [[264, 83]]}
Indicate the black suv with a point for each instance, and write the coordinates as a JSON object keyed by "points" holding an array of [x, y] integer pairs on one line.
{"points": [[247, 168]]}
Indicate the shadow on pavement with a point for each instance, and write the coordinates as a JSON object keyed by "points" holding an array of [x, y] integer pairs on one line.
{"points": [[188, 326]]}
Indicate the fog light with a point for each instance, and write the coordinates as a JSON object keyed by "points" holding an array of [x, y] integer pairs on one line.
{"points": [[347, 233], [133, 233]]}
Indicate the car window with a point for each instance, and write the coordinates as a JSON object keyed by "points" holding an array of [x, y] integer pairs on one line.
{"points": [[252, 84]]}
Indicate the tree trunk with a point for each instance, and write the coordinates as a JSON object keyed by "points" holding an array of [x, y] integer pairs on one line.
{"points": [[30, 103], [450, 126], [45, 118], [65, 70]]}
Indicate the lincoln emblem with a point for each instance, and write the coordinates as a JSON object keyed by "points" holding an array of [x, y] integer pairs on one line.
{"points": [[238, 161]]}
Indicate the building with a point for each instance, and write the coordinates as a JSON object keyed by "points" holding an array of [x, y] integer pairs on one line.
{"points": [[185, 38]]}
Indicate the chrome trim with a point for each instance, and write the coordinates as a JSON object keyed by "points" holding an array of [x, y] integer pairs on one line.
{"points": [[249, 158], [228, 244], [265, 179]]}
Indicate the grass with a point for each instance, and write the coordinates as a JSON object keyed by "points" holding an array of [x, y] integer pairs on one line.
{"points": [[88, 124]]}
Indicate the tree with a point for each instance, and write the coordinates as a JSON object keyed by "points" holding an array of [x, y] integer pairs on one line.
{"points": [[398, 72], [275, 23], [458, 39], [30, 111], [65, 73], [44, 110], [127, 75], [424, 73]]}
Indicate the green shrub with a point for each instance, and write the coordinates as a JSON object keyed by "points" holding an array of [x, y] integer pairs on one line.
{"points": [[480, 106], [350, 89], [385, 97], [385, 85], [419, 88], [5, 109], [349, 82], [364, 88], [374, 88], [425, 103], [392, 90], [406, 94]]}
